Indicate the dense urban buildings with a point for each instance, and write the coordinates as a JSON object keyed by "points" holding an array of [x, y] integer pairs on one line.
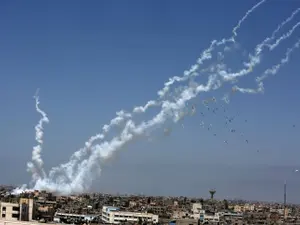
{"points": [[42, 207]]}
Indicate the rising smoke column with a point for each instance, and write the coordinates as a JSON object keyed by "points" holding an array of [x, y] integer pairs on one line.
{"points": [[69, 167], [100, 152], [36, 166], [122, 116]]}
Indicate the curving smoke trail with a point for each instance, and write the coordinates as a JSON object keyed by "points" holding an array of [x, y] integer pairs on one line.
{"points": [[36, 166], [101, 152], [206, 54], [259, 47], [122, 116], [271, 71], [169, 110], [76, 175], [78, 155], [256, 59], [283, 37]]}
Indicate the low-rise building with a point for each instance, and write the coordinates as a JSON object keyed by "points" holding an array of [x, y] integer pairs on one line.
{"points": [[210, 217], [6, 222], [10, 211], [59, 217], [184, 222], [196, 209], [17, 211], [114, 215]]}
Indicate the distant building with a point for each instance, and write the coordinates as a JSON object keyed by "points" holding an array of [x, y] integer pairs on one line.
{"points": [[209, 217], [177, 214], [113, 215], [244, 208], [132, 204], [183, 222], [196, 209]]}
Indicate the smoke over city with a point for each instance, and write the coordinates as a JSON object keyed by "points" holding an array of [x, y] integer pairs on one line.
{"points": [[174, 102]]}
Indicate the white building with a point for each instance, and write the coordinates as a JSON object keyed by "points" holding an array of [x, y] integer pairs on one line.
{"points": [[115, 216], [5, 222], [10, 211], [209, 217], [196, 209], [17, 211], [58, 216]]}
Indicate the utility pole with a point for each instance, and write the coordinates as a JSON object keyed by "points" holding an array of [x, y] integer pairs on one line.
{"points": [[285, 209]]}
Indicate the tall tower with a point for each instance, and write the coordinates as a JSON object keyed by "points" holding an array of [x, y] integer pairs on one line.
{"points": [[284, 194], [212, 193], [285, 209]]}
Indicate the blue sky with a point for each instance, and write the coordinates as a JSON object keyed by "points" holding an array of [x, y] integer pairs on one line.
{"points": [[91, 59]]}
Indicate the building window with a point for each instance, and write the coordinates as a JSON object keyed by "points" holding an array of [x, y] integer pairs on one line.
{"points": [[15, 208], [4, 208], [3, 215]]}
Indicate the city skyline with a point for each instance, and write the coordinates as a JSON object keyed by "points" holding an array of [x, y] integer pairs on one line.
{"points": [[90, 64]]}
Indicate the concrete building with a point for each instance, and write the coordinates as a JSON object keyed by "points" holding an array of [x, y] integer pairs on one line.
{"points": [[10, 211], [113, 215], [5, 222], [26, 209], [196, 209], [14, 211], [244, 208], [184, 222], [209, 217], [59, 216]]}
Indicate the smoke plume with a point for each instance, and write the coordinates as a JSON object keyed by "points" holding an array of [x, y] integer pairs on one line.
{"points": [[36, 165], [77, 175]]}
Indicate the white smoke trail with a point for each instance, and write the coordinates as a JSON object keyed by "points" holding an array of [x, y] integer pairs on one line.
{"points": [[272, 71], [78, 155], [36, 166], [283, 61], [256, 59], [284, 37], [141, 109], [206, 54], [260, 46], [81, 180], [246, 15]]}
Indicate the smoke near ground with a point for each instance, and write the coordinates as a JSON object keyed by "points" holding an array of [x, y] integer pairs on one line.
{"points": [[178, 99]]}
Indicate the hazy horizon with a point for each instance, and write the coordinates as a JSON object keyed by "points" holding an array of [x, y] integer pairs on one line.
{"points": [[93, 59]]}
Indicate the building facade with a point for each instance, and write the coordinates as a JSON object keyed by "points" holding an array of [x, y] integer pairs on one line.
{"points": [[6, 222], [58, 217], [113, 215], [17, 211], [209, 217], [10, 211]]}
